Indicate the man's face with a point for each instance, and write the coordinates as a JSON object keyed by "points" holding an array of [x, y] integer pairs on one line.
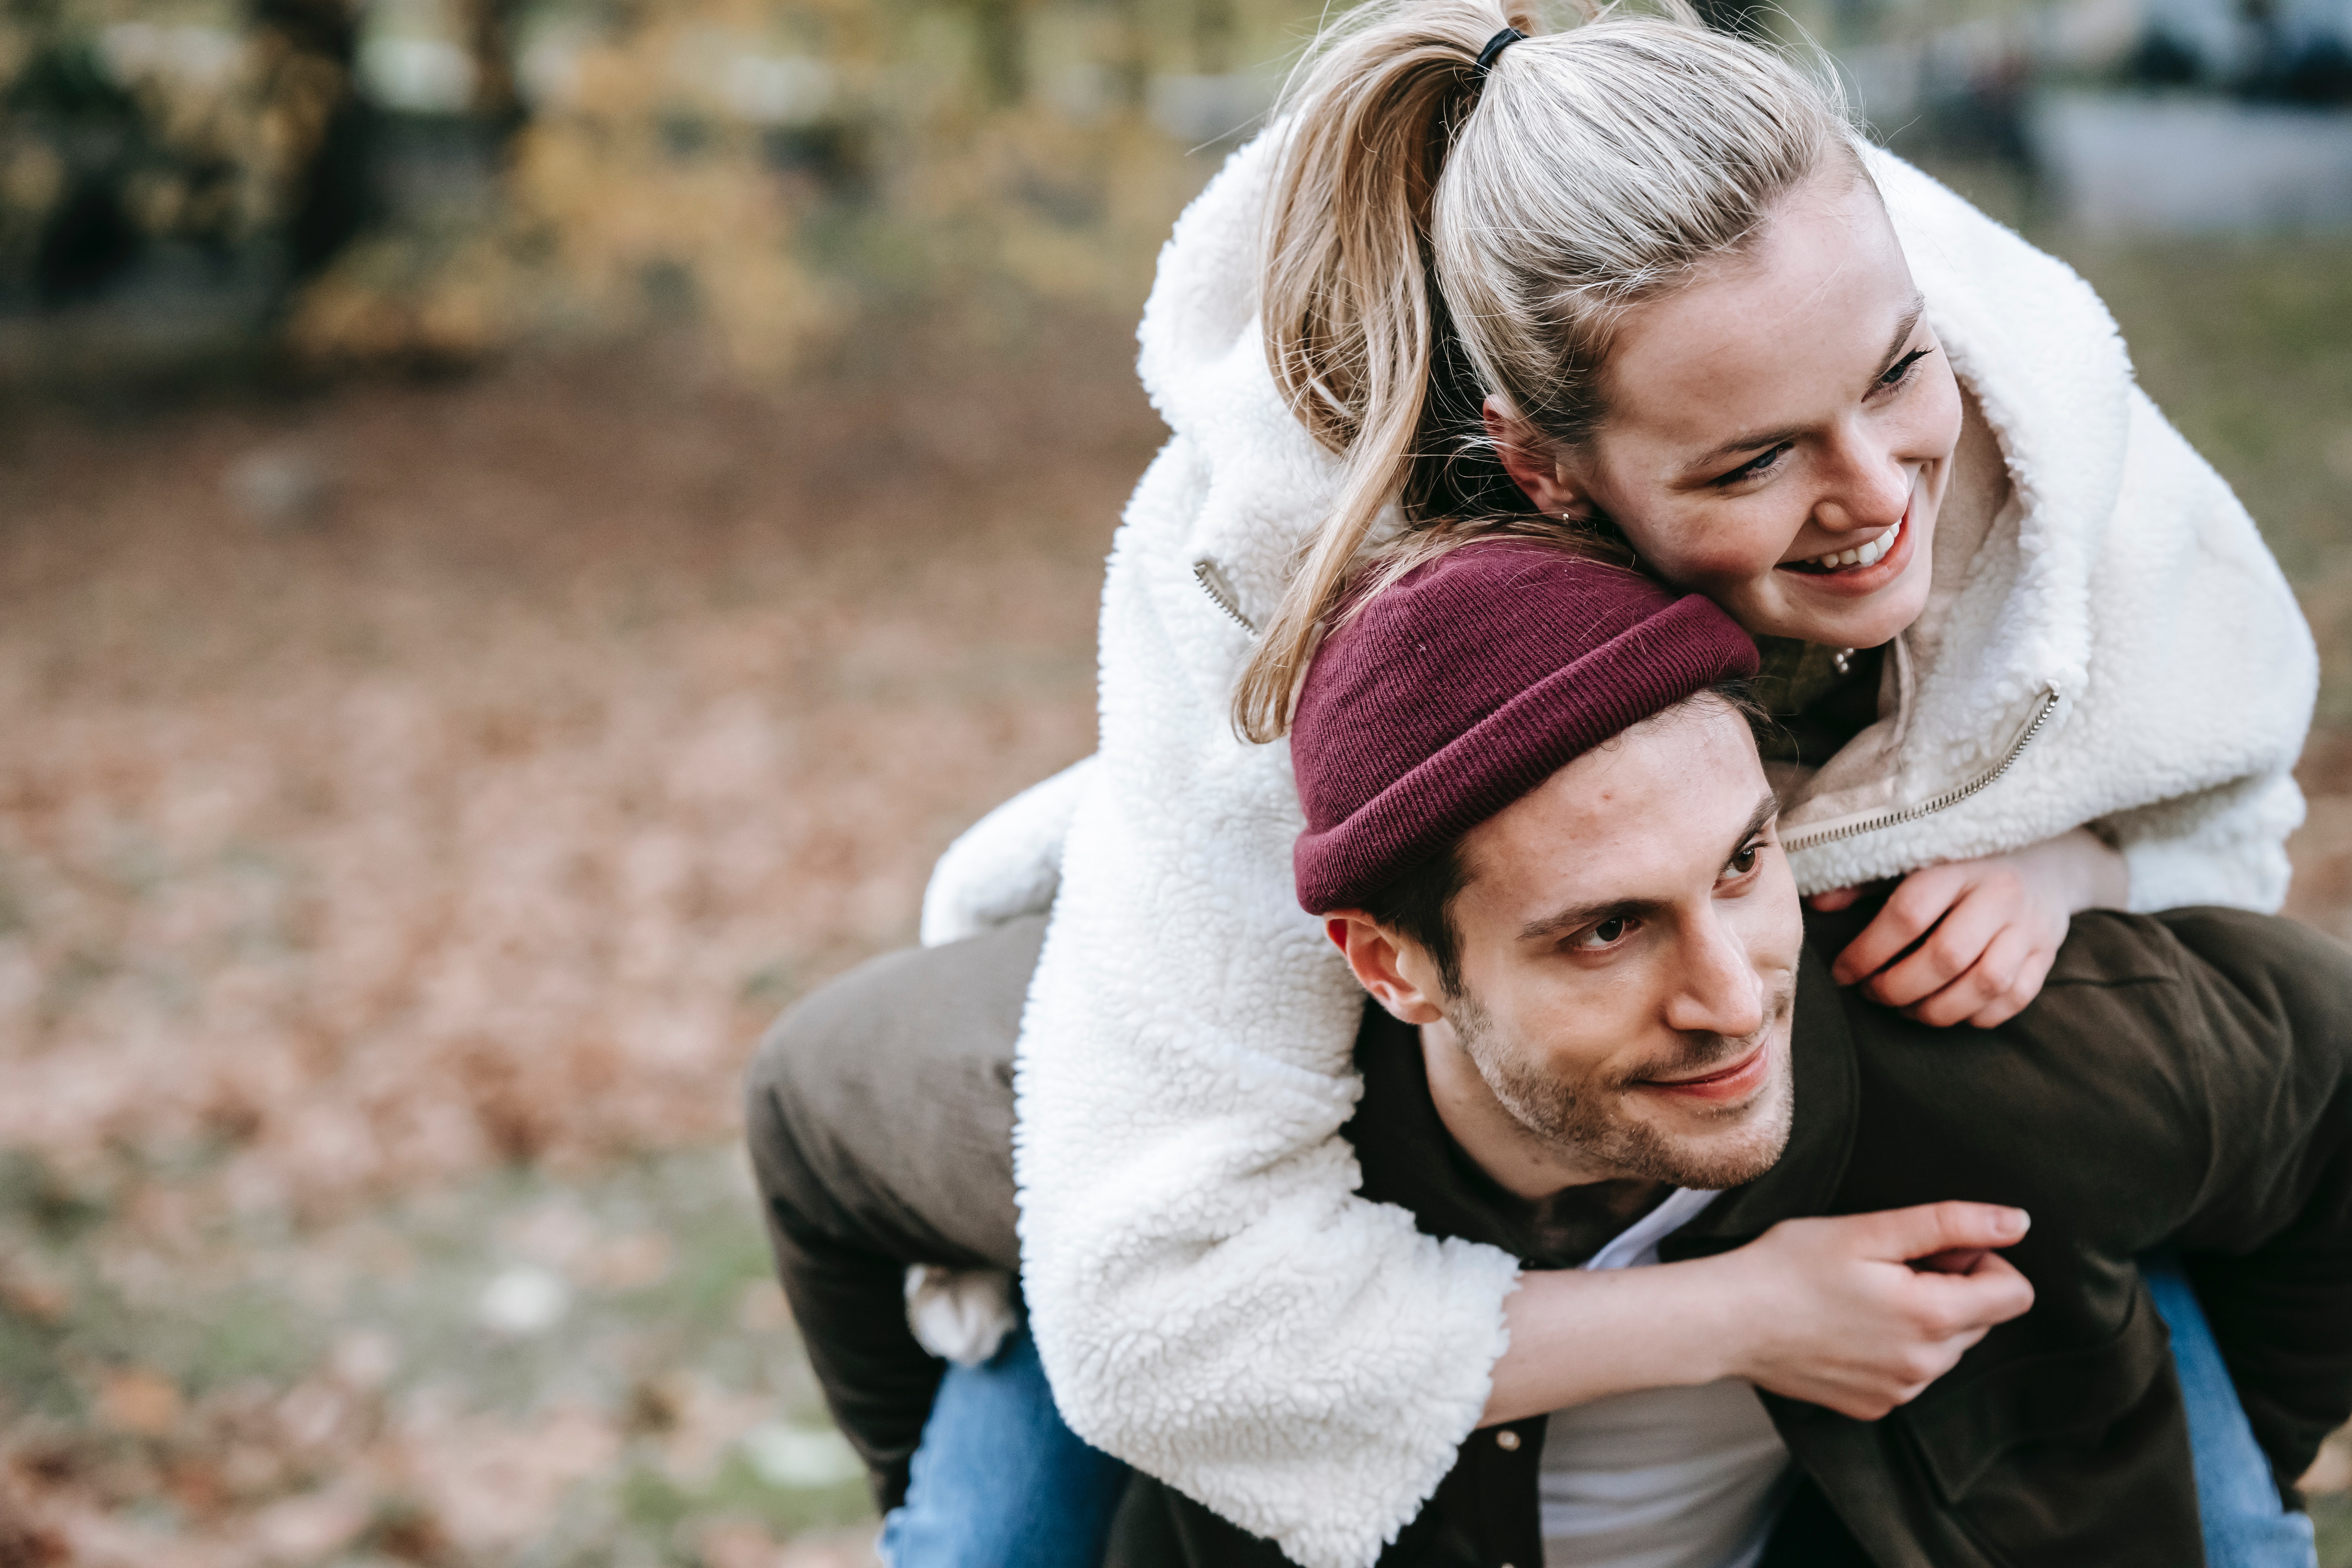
{"points": [[1629, 938]]}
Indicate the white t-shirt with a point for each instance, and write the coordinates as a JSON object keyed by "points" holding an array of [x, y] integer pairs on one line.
{"points": [[1665, 1477]]}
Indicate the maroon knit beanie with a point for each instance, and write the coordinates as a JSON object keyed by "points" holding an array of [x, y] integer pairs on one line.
{"points": [[1468, 682]]}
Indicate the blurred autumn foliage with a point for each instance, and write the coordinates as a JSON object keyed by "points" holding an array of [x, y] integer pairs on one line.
{"points": [[435, 180]]}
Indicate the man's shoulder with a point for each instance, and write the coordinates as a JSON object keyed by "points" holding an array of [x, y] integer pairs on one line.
{"points": [[2156, 1041], [2120, 997]]}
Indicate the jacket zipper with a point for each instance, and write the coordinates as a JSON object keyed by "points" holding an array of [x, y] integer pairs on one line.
{"points": [[1815, 838], [1213, 583]]}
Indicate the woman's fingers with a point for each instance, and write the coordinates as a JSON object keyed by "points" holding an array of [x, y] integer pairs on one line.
{"points": [[1922, 1230], [1836, 899], [1950, 952], [1915, 906], [1987, 984], [1991, 1292], [1873, 1307], [2022, 991], [1981, 936]]}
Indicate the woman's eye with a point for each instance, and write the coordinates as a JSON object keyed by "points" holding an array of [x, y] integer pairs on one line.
{"points": [[1902, 369], [1608, 933], [1739, 865], [1755, 468]]}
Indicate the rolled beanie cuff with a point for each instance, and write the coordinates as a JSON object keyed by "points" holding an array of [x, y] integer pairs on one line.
{"points": [[1684, 649]]}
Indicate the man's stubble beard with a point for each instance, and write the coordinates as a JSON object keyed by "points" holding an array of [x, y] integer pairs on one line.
{"points": [[1577, 1116]]}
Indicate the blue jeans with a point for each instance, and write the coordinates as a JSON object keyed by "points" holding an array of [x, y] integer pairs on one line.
{"points": [[2245, 1524], [1000, 1482]]}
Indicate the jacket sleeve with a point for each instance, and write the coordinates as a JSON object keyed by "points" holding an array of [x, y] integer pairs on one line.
{"points": [[2270, 1244], [1006, 865], [1212, 1304], [2226, 845], [2203, 684]]}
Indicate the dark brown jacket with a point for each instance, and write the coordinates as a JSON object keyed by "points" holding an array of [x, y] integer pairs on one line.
{"points": [[2183, 1081]]}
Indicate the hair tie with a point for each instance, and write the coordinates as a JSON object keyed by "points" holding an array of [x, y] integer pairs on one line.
{"points": [[1494, 46]]}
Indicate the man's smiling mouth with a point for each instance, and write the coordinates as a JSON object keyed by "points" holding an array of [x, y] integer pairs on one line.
{"points": [[1729, 1081]]}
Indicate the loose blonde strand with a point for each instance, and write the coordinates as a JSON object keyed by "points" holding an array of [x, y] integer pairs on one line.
{"points": [[1344, 286]]}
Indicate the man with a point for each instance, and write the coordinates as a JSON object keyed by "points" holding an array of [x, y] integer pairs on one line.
{"points": [[1544, 844]]}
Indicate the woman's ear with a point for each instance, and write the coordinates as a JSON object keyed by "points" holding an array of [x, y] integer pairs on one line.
{"points": [[1527, 459]]}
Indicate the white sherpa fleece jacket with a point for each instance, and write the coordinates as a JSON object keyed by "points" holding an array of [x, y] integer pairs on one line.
{"points": [[1213, 1302]]}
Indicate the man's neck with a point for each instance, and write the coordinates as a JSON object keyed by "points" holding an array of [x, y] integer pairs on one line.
{"points": [[1582, 1199]]}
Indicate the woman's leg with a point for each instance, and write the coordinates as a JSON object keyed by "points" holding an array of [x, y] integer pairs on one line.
{"points": [[879, 1116], [2246, 1526], [999, 1481]]}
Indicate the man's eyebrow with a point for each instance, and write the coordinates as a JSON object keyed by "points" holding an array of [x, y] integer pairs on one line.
{"points": [[1759, 439], [1577, 916]]}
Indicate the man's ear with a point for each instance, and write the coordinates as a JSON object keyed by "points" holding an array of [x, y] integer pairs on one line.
{"points": [[1384, 968], [1528, 460]]}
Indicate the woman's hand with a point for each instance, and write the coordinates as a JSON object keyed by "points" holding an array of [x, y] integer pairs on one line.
{"points": [[1862, 1313], [1992, 928], [1858, 1313]]}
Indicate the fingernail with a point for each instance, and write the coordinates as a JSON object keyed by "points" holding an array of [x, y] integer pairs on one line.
{"points": [[2013, 1223]]}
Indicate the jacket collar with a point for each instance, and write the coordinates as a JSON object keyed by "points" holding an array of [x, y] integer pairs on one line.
{"points": [[2037, 347]]}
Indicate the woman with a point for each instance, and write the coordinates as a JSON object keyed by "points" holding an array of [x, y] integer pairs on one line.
{"points": [[2035, 659]]}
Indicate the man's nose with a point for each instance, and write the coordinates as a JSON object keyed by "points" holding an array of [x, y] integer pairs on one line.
{"points": [[1868, 486], [1719, 991]]}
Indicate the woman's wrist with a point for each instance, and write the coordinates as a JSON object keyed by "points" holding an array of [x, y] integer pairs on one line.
{"points": [[2081, 870], [1578, 1336], [1744, 1295]]}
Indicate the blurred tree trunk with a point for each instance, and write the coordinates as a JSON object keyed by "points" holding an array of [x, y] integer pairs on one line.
{"points": [[497, 90], [1130, 63], [1213, 37], [312, 50], [1003, 39]]}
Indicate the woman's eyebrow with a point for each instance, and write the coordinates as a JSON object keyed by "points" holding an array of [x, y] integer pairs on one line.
{"points": [[1756, 442], [1902, 331]]}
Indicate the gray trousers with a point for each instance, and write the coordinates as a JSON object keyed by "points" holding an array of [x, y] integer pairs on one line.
{"points": [[879, 1115]]}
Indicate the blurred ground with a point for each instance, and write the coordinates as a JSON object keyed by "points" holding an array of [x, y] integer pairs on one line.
{"points": [[417, 797]]}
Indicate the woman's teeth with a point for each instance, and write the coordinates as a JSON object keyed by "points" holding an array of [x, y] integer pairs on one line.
{"points": [[1861, 555]]}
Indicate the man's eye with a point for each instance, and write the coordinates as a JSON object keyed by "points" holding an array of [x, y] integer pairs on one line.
{"points": [[1755, 468], [1608, 933]]}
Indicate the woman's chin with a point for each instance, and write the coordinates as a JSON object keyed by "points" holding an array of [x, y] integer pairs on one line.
{"points": [[1868, 624]]}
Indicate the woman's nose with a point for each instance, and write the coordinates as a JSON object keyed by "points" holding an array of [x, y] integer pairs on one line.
{"points": [[1868, 488]]}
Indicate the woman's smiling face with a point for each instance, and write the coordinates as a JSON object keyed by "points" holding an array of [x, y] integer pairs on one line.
{"points": [[1780, 432]]}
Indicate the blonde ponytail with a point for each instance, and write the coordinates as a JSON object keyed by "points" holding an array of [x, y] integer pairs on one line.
{"points": [[1428, 224]]}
